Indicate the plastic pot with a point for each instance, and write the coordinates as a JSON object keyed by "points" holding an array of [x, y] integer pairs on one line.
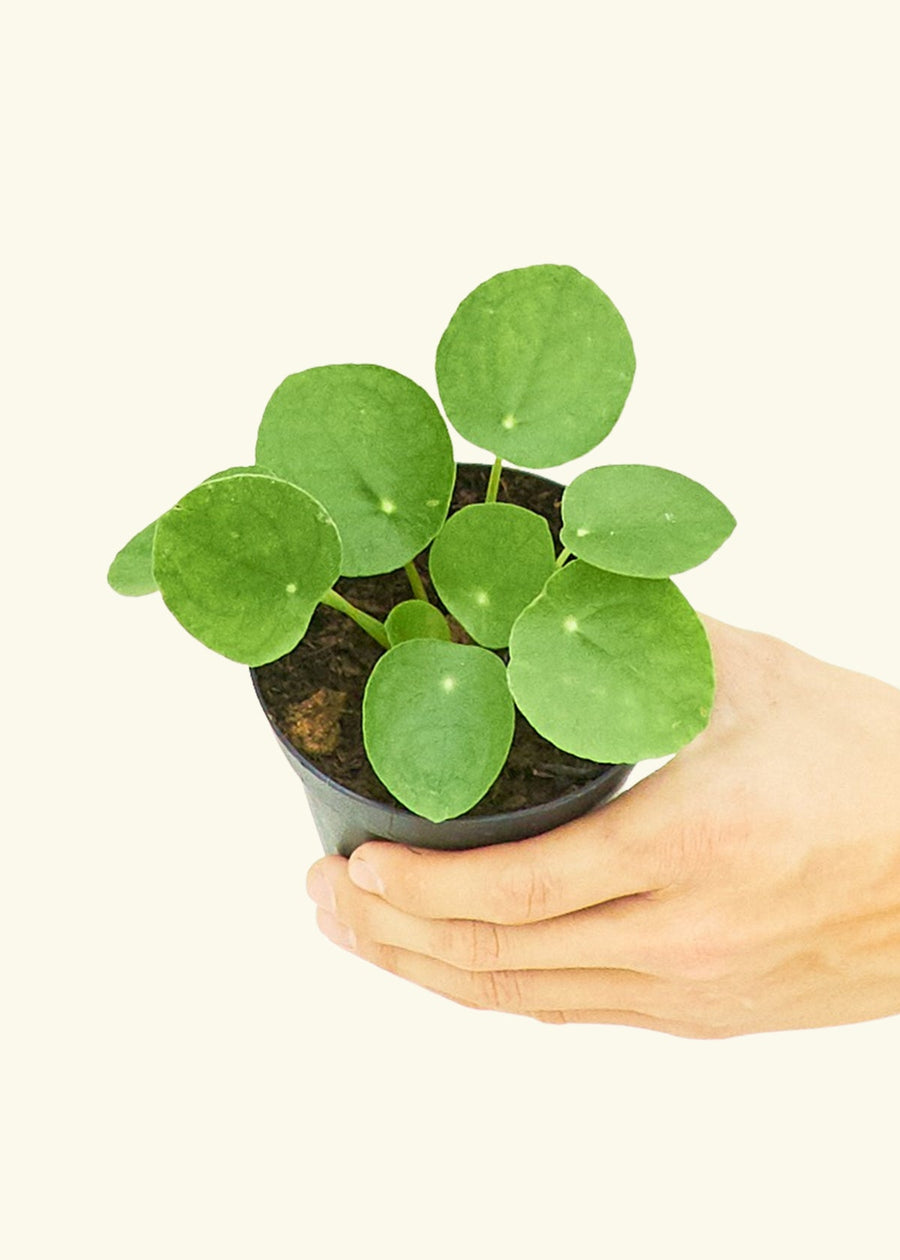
{"points": [[345, 820]]}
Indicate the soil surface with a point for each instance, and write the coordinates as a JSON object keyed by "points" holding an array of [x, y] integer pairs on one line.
{"points": [[314, 694]]}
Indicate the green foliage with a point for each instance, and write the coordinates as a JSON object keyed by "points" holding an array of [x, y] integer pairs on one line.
{"points": [[487, 563], [611, 668], [535, 366], [438, 721], [243, 561], [354, 476], [131, 572], [372, 447], [642, 521], [415, 619], [244, 470]]}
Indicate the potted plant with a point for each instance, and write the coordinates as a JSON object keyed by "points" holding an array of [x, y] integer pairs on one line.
{"points": [[386, 599]]}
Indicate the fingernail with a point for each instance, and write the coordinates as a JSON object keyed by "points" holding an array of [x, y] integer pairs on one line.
{"points": [[365, 876], [336, 931], [321, 891]]}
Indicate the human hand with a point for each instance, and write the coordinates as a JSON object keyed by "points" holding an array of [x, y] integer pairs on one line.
{"points": [[751, 884]]}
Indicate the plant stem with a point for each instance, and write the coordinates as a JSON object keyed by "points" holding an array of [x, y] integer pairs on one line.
{"points": [[416, 582], [562, 557], [494, 482], [370, 624]]}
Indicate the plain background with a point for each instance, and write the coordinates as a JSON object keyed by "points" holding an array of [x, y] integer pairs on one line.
{"points": [[203, 198]]}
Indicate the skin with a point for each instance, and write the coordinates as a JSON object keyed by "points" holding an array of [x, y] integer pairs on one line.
{"points": [[752, 884]]}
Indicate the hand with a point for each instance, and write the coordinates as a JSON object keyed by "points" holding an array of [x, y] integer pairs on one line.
{"points": [[751, 884]]}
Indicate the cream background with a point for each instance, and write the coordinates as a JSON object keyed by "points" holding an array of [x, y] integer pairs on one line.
{"points": [[202, 198]]}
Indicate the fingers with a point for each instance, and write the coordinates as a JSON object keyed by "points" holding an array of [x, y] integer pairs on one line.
{"points": [[593, 966], [630, 846], [604, 936], [516, 992], [634, 1019]]}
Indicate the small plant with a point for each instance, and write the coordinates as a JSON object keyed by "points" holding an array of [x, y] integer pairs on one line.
{"points": [[353, 476]]}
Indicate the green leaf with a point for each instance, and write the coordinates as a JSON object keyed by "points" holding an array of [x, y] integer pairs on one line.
{"points": [[415, 619], [535, 366], [488, 562], [242, 562], [131, 573], [642, 521], [611, 668], [438, 722], [244, 470], [372, 447]]}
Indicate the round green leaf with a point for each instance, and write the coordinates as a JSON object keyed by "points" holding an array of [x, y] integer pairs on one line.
{"points": [[415, 619], [372, 447], [243, 470], [642, 521], [242, 562], [487, 563], [611, 668], [535, 366], [438, 722], [131, 573]]}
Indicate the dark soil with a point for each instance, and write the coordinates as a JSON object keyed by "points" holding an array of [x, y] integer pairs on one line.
{"points": [[314, 694]]}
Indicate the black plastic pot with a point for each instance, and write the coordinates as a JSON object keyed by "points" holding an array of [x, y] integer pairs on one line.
{"points": [[345, 820]]}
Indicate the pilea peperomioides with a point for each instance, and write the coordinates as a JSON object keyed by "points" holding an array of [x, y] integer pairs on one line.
{"points": [[354, 475]]}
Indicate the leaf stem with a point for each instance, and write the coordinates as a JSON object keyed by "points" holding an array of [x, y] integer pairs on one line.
{"points": [[494, 482], [370, 624], [415, 582], [562, 557]]}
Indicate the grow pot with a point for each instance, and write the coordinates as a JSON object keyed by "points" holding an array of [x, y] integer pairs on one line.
{"points": [[539, 789]]}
